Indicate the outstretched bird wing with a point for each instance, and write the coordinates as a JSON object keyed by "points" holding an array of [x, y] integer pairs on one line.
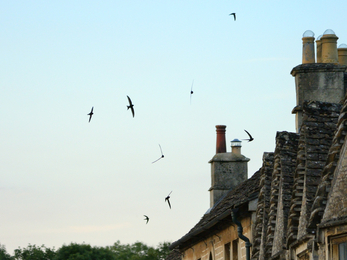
{"points": [[132, 111], [168, 201], [161, 151], [157, 160], [234, 14], [130, 103]]}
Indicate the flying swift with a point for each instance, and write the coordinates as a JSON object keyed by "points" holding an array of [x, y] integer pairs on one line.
{"points": [[146, 218], [90, 114], [162, 155], [191, 92], [131, 106], [250, 137], [168, 199]]}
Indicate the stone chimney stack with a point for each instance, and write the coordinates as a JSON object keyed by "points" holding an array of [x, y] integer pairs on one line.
{"points": [[322, 81], [228, 170]]}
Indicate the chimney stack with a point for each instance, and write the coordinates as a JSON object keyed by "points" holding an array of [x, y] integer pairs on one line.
{"points": [[221, 144], [227, 169], [322, 81]]}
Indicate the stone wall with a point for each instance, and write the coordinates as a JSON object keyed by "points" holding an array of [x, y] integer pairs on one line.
{"points": [[216, 244]]}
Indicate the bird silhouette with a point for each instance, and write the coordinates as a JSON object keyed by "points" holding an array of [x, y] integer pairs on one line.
{"points": [[131, 106], [191, 92], [146, 218], [250, 137], [90, 114], [162, 155], [234, 14], [168, 199]]}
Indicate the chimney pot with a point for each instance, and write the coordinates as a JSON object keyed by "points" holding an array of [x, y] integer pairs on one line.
{"points": [[308, 47], [221, 144], [236, 146], [329, 47], [319, 49], [342, 54]]}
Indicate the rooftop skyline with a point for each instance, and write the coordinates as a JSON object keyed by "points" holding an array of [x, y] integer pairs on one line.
{"points": [[64, 179]]}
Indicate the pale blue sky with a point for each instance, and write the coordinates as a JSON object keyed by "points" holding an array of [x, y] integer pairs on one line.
{"points": [[66, 180]]}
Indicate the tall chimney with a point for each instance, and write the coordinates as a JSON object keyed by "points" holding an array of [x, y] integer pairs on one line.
{"points": [[322, 81], [221, 144], [308, 47], [227, 169]]}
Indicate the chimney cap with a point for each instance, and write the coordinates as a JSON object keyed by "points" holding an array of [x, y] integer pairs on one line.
{"points": [[329, 31], [308, 33], [319, 37], [235, 142], [342, 45]]}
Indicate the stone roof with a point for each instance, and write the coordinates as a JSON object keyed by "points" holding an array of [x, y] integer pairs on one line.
{"points": [[263, 206], [319, 124], [243, 193], [280, 193], [174, 255], [321, 196]]}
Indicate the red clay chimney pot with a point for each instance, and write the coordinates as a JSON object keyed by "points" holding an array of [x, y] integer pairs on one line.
{"points": [[221, 144]]}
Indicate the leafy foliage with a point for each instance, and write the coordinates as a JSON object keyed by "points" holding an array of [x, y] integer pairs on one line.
{"points": [[140, 251], [136, 251], [32, 252], [84, 252], [3, 254]]}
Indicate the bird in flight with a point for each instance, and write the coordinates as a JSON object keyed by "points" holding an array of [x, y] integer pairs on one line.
{"points": [[191, 92], [90, 114], [131, 106], [233, 15], [250, 137], [168, 199], [146, 218], [162, 155]]}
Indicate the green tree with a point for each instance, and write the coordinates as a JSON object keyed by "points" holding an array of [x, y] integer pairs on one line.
{"points": [[163, 250], [136, 251], [32, 252], [3, 254], [84, 252], [140, 251]]}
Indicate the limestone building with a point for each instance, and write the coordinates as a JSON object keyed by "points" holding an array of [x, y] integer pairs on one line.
{"points": [[295, 206]]}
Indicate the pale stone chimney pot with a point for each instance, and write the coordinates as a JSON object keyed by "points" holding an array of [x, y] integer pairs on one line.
{"points": [[308, 55], [342, 54], [329, 47]]}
